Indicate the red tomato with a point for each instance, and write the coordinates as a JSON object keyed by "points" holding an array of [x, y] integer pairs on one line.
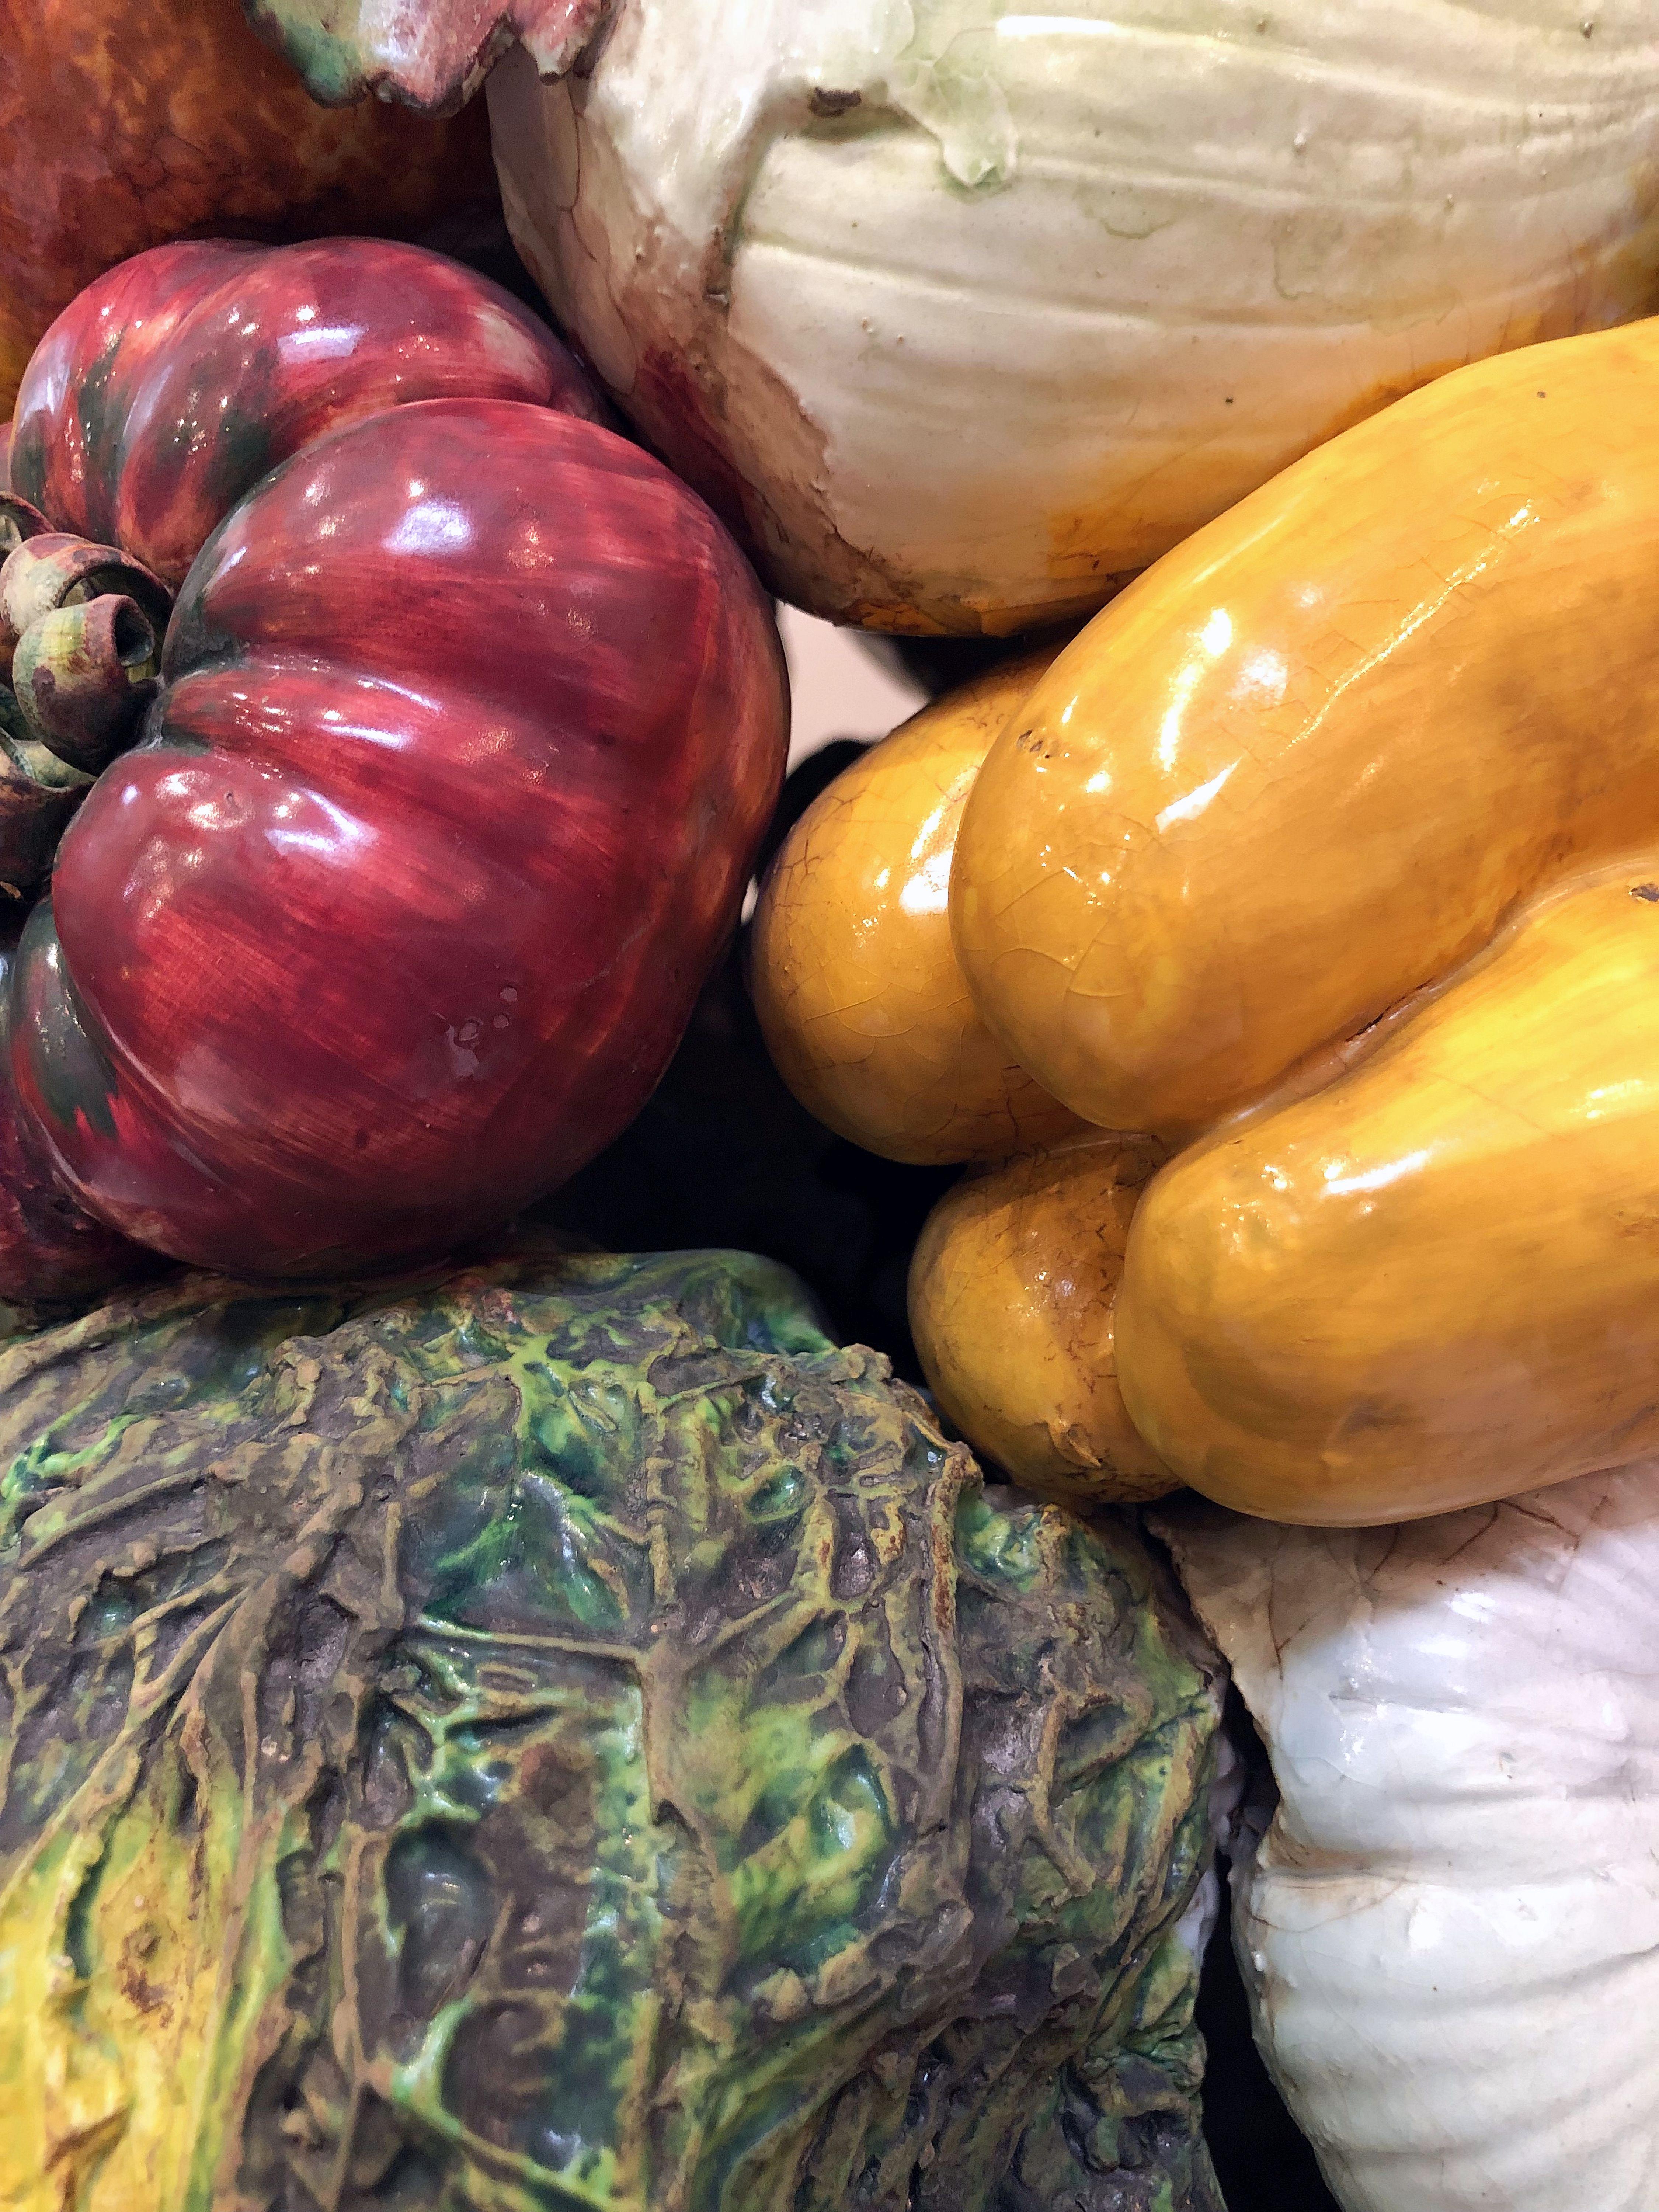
{"points": [[169, 387], [471, 717]]}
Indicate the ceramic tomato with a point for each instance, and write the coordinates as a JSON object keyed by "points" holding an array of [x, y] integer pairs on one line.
{"points": [[469, 718], [170, 386]]}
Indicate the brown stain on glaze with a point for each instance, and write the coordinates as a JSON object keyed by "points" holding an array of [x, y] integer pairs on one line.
{"points": [[1014, 1292]]}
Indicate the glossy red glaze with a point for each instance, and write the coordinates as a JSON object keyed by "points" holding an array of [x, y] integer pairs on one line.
{"points": [[473, 718], [51, 1251], [167, 389]]}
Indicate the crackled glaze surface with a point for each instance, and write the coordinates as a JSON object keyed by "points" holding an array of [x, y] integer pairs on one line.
{"points": [[964, 309], [1013, 1295], [1450, 1927], [569, 1735]]}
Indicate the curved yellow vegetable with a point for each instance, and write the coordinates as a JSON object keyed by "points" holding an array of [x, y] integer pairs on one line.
{"points": [[863, 1004], [1437, 1280], [1312, 855], [1309, 762], [1011, 1288]]}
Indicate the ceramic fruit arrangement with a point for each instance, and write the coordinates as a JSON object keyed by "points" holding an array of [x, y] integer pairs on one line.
{"points": [[467, 720], [1326, 860], [555, 1727], [566, 1732]]}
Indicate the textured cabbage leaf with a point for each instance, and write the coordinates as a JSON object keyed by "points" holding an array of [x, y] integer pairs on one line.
{"points": [[569, 1737]]}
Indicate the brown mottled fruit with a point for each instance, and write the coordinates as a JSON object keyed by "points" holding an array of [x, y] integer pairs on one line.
{"points": [[126, 123]]}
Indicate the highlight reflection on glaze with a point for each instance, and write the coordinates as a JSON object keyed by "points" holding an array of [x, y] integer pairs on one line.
{"points": [[1308, 762], [397, 915]]}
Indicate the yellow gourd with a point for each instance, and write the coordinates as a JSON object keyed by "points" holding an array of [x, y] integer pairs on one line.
{"points": [[1012, 1286], [864, 1008], [1438, 1279], [1327, 860], [1307, 762]]}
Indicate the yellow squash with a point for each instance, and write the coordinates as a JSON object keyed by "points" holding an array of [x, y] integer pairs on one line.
{"points": [[1012, 1291], [863, 1004], [1326, 859], [1437, 1280], [1310, 761]]}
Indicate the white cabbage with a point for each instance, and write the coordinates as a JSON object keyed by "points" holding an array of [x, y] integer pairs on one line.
{"points": [[1450, 1926], [971, 305]]}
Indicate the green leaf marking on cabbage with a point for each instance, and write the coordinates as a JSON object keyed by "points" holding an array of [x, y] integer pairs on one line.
{"points": [[568, 1735]]}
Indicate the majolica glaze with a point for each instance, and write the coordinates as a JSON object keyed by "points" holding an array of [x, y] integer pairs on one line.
{"points": [[430, 55], [965, 310], [863, 1002], [565, 1735], [1012, 1297], [129, 122], [1447, 1914], [1442, 1271], [53, 1253], [169, 387], [161, 396], [472, 716], [81, 630], [1325, 859], [1306, 765]]}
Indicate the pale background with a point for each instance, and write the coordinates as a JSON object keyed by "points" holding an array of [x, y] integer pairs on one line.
{"points": [[841, 687]]}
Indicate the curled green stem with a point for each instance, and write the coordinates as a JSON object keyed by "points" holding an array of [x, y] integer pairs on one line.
{"points": [[83, 675], [18, 521], [79, 630], [52, 569]]}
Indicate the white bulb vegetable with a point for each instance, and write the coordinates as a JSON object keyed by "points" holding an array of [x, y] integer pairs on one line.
{"points": [[969, 307], [1450, 1928]]}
